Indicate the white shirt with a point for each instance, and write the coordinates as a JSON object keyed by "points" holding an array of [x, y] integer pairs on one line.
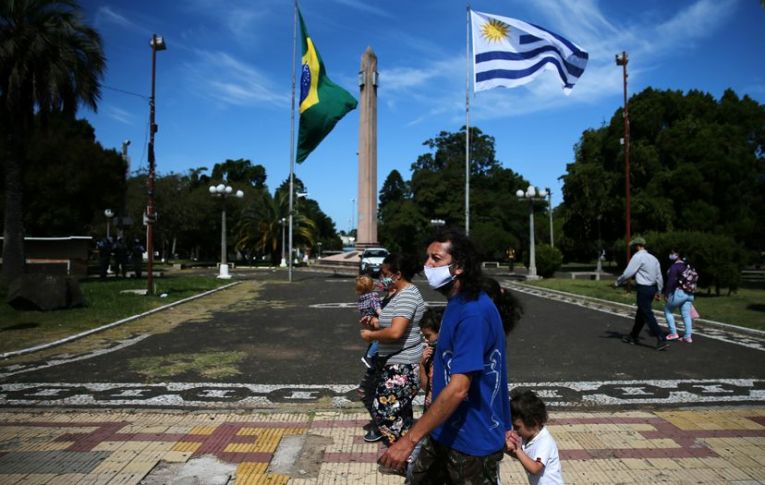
{"points": [[645, 268], [542, 448]]}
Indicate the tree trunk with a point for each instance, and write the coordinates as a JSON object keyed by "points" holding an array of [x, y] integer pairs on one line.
{"points": [[13, 232]]}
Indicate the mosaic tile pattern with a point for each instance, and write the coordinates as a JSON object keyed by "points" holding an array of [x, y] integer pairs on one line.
{"points": [[122, 447]]}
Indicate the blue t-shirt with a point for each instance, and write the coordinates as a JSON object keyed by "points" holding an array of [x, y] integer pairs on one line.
{"points": [[472, 341]]}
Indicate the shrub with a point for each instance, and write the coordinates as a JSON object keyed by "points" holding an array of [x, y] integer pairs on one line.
{"points": [[548, 259]]}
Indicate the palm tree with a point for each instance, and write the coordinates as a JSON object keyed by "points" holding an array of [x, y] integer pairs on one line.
{"points": [[49, 61], [260, 227]]}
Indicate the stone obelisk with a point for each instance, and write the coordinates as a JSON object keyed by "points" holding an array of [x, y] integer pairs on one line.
{"points": [[366, 234]]}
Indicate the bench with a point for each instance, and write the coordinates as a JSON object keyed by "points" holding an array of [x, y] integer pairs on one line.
{"points": [[753, 276], [593, 275], [45, 264], [494, 264]]}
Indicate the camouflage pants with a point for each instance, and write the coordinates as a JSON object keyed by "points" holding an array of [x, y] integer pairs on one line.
{"points": [[438, 464]]}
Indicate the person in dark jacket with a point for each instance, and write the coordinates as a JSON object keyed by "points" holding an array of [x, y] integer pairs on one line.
{"points": [[136, 256], [677, 296], [120, 258], [104, 256]]}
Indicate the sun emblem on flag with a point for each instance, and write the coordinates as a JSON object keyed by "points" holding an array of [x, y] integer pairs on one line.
{"points": [[494, 30]]}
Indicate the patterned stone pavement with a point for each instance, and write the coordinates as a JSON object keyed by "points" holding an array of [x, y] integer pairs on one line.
{"points": [[721, 445], [212, 395]]}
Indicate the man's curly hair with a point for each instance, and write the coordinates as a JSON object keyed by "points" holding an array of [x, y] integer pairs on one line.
{"points": [[464, 255]]}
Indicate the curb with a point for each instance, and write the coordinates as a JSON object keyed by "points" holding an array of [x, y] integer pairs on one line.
{"points": [[711, 323], [80, 335]]}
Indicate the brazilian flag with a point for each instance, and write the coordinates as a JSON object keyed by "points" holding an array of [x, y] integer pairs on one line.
{"points": [[322, 102]]}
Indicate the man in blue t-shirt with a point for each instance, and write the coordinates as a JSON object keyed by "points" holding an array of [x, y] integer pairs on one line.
{"points": [[464, 428]]}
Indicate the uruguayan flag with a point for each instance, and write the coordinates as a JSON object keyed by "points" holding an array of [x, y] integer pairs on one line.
{"points": [[509, 52]]}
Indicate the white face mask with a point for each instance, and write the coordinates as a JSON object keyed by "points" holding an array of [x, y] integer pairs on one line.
{"points": [[439, 276], [673, 256]]}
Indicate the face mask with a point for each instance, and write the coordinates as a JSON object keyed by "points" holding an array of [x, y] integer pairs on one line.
{"points": [[673, 257], [386, 282], [438, 277]]}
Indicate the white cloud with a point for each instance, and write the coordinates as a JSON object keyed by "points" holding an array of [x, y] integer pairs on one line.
{"points": [[241, 19], [365, 7], [220, 76], [107, 15], [120, 115], [696, 22], [403, 78], [434, 84]]}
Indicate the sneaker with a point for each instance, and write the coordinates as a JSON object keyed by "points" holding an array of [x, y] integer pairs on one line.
{"points": [[672, 336], [662, 345], [688, 339], [629, 339], [372, 436]]}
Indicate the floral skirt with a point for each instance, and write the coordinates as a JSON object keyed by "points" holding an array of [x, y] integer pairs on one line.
{"points": [[397, 385]]}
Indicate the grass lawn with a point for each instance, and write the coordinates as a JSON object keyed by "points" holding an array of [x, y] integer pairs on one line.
{"points": [[746, 307], [104, 303]]}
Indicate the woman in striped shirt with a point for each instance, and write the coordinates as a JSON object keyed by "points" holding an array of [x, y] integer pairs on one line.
{"points": [[398, 331]]}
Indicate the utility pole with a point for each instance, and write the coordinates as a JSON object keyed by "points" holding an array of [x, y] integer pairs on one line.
{"points": [[157, 44], [622, 60]]}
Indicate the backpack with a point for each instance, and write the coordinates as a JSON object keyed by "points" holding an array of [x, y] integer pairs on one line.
{"points": [[689, 279]]}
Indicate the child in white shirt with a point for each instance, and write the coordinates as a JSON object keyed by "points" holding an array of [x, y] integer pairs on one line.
{"points": [[530, 442]]}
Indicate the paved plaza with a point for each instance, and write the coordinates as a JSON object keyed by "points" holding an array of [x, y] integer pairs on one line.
{"points": [[255, 384], [126, 447]]}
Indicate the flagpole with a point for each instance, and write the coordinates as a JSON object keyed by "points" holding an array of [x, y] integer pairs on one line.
{"points": [[467, 122], [292, 135]]}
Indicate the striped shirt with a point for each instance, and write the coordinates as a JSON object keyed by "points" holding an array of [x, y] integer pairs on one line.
{"points": [[406, 303]]}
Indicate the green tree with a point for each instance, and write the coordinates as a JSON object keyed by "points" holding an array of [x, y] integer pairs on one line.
{"points": [[437, 191], [241, 171], [697, 164], [65, 149], [260, 228], [188, 218], [50, 61], [394, 189]]}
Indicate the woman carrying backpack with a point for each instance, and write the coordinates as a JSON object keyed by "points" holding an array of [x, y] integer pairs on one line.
{"points": [[678, 292]]}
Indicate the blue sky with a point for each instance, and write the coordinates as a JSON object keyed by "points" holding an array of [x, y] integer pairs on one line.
{"points": [[224, 83]]}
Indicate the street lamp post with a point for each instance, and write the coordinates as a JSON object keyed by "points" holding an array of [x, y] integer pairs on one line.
{"points": [[548, 192], [224, 191], [283, 222], [353, 215], [296, 196], [532, 194], [109, 214], [157, 43], [622, 60], [123, 220], [599, 267]]}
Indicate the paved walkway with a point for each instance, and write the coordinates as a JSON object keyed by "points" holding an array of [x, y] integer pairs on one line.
{"points": [[282, 431], [720, 445]]}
